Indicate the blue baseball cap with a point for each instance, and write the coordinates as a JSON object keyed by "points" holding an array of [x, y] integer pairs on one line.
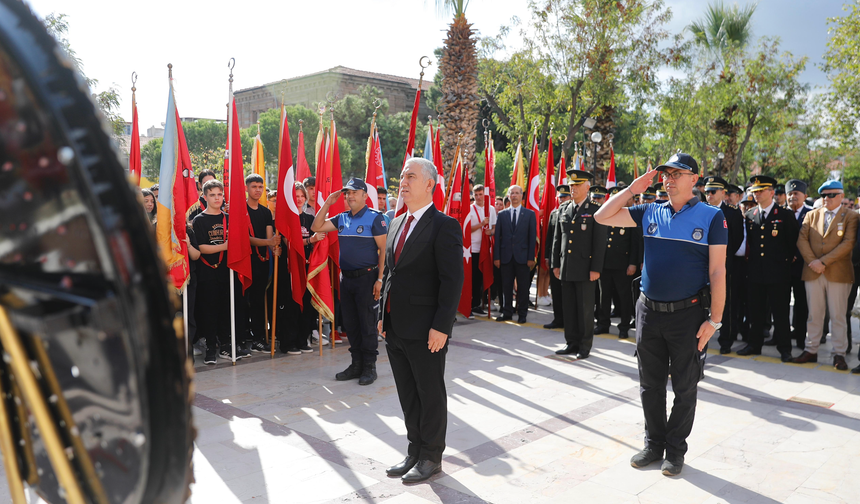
{"points": [[830, 184], [355, 184]]}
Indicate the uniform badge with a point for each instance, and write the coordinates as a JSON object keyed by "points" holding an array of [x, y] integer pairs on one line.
{"points": [[360, 229], [839, 230], [698, 233], [340, 229], [583, 226], [383, 223], [652, 228], [621, 231], [774, 233]]}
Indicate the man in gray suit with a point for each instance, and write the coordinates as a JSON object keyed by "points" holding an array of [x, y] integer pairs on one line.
{"points": [[514, 253]]}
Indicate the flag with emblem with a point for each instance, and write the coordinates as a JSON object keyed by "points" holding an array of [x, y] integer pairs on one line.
{"points": [[532, 192], [287, 212], [178, 192], [334, 183], [439, 192], [458, 209], [303, 170], [517, 176], [485, 259], [373, 176], [548, 204]]}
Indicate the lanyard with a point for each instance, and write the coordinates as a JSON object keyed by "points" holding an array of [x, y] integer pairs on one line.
{"points": [[220, 254], [257, 249]]}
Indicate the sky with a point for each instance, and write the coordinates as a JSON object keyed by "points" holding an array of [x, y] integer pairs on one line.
{"points": [[273, 40]]}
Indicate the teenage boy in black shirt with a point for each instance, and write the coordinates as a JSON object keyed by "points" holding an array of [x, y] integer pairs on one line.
{"points": [[212, 310], [262, 237]]}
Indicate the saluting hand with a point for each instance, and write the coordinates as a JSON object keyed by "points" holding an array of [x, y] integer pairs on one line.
{"points": [[639, 185], [332, 198]]}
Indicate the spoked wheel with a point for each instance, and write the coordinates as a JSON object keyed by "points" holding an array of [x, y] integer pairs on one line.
{"points": [[95, 388]]}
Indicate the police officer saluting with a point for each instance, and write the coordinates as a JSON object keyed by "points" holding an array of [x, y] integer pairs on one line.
{"points": [[361, 232], [672, 323]]}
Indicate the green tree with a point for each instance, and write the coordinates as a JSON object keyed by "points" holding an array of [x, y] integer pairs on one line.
{"points": [[842, 67], [107, 101]]}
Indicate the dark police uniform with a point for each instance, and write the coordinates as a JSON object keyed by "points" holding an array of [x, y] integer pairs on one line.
{"points": [[669, 313], [622, 251], [579, 245], [735, 225], [554, 283], [771, 245], [359, 265], [801, 309]]}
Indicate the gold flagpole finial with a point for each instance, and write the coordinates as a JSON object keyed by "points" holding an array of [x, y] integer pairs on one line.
{"points": [[258, 127], [301, 121], [423, 66]]}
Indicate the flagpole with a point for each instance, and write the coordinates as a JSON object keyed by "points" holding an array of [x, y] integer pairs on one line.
{"points": [[333, 131], [453, 167], [278, 234], [185, 319], [231, 64]]}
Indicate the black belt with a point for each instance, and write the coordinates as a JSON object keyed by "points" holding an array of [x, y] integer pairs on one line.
{"points": [[359, 272], [670, 307]]}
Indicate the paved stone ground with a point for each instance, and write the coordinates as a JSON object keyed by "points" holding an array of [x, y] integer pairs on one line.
{"points": [[524, 427]]}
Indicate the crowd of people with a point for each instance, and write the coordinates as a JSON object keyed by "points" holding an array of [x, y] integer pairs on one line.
{"points": [[775, 253]]}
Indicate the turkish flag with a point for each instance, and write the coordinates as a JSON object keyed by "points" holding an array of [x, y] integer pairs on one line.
{"points": [[303, 170], [287, 213], [458, 206], [548, 204], [238, 235]]}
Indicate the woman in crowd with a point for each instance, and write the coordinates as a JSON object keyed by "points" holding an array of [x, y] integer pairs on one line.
{"points": [[149, 205]]}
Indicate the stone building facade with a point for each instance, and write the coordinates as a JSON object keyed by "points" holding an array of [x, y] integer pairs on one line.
{"points": [[309, 90]]}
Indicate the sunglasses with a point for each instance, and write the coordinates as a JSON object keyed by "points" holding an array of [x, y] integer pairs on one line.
{"points": [[711, 191], [831, 195]]}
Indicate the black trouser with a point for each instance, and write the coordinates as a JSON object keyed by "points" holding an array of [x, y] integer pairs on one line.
{"points": [[255, 300], [614, 283], [359, 315], [191, 294], [477, 281], [666, 344], [739, 297], [419, 375], [771, 299], [496, 289], [557, 306], [731, 323], [212, 311], [801, 311], [520, 272], [578, 298]]}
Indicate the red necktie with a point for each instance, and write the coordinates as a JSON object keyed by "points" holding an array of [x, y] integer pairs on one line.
{"points": [[397, 251]]}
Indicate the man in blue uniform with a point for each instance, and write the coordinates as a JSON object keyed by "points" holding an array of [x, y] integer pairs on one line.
{"points": [[685, 265], [361, 233]]}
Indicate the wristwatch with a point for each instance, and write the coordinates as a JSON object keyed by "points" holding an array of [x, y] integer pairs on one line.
{"points": [[715, 325]]}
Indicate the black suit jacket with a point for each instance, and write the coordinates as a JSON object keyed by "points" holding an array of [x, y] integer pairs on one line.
{"points": [[550, 234], [797, 266], [425, 285], [579, 243], [770, 257], [622, 247], [517, 244], [735, 225]]}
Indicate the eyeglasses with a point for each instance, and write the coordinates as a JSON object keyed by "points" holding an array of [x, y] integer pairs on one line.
{"points": [[831, 195], [711, 191], [674, 175]]}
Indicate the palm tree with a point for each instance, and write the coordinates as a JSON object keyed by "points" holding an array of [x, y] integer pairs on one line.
{"points": [[459, 67], [723, 34]]}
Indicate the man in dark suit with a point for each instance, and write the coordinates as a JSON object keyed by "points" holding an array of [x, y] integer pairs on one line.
{"points": [[578, 249], [715, 191], [421, 288], [563, 194], [514, 253], [772, 233], [796, 190], [619, 266]]}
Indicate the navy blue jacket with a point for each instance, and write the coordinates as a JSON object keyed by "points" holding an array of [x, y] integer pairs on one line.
{"points": [[515, 244]]}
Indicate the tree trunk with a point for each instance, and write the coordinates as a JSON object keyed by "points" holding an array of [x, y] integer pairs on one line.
{"points": [[459, 103]]}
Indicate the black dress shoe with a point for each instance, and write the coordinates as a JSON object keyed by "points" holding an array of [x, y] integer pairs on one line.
{"points": [[856, 370], [580, 356], [478, 311], [601, 330], [749, 350], [785, 356], [521, 320], [623, 335], [502, 318], [422, 471], [567, 350], [403, 467], [770, 342], [725, 350], [553, 325]]}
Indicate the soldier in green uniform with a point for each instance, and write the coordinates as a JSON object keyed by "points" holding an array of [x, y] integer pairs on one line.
{"points": [[579, 245]]}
